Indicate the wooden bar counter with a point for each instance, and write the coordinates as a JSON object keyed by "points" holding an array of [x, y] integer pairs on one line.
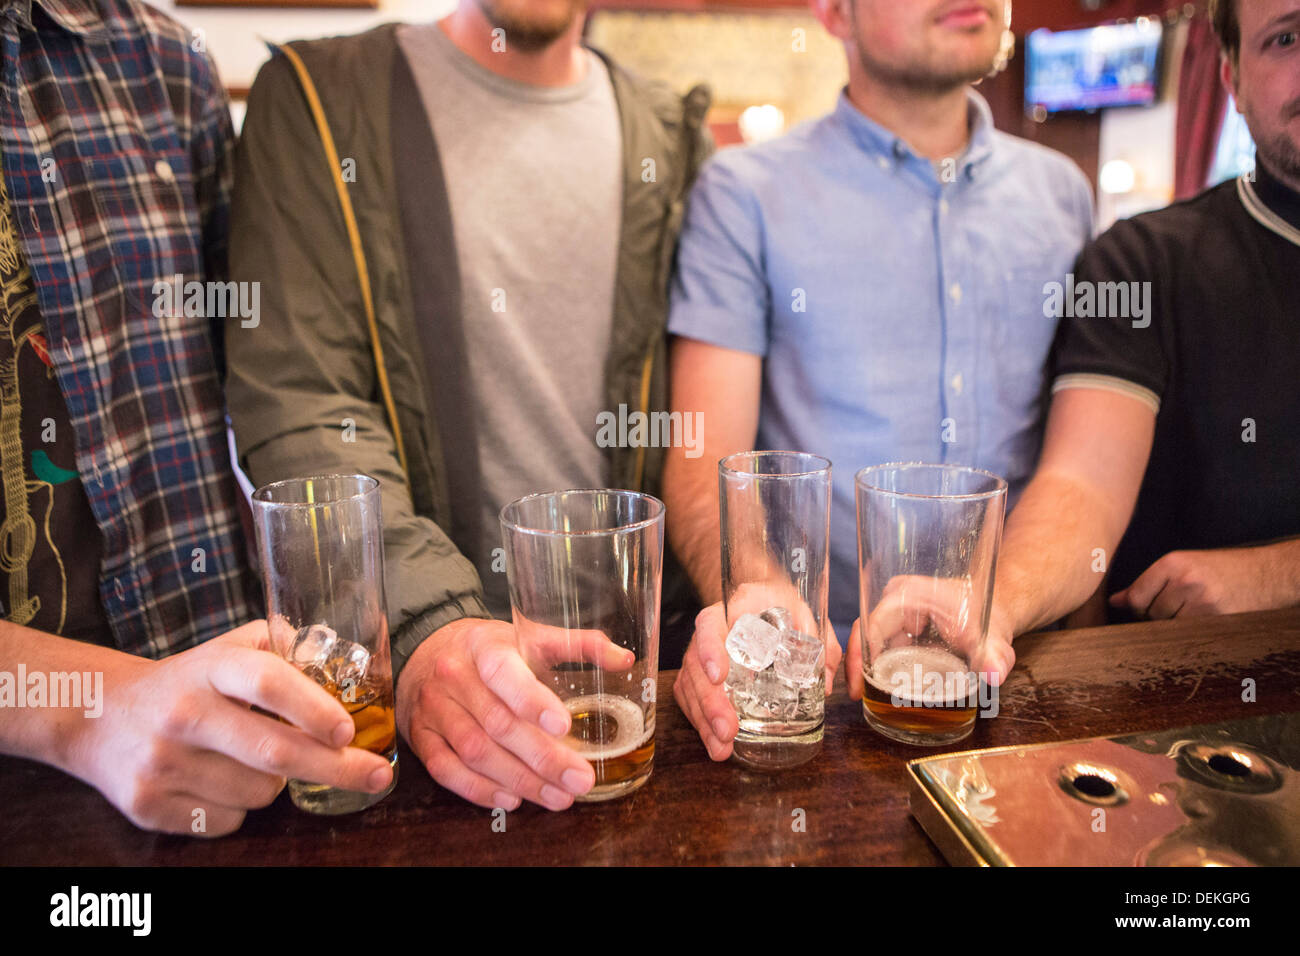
{"points": [[1067, 684]]}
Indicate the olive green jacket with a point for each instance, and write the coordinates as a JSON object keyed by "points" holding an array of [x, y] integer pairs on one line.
{"points": [[302, 384]]}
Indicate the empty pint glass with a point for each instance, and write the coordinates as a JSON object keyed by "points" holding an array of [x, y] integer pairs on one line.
{"points": [[321, 544], [928, 539], [585, 569], [774, 515]]}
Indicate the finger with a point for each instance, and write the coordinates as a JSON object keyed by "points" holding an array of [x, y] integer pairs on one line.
{"points": [[554, 761], [1169, 602], [911, 602], [267, 745], [505, 673], [709, 643], [1142, 593], [559, 645], [264, 680], [594, 647], [994, 661], [853, 662], [833, 657], [450, 771], [186, 813], [217, 778], [487, 758], [802, 617], [687, 701], [712, 704]]}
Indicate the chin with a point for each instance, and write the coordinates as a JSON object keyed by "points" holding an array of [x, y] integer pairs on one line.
{"points": [[535, 22]]}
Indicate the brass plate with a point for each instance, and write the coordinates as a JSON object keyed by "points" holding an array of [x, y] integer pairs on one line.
{"points": [[1215, 795]]}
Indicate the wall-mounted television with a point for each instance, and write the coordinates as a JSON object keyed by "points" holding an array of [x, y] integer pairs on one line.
{"points": [[1117, 65]]}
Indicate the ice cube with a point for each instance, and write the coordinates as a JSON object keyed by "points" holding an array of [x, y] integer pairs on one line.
{"points": [[778, 617], [329, 659], [311, 645], [773, 697], [752, 642], [800, 659]]}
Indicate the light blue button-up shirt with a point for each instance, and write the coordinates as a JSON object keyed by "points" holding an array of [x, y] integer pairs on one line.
{"points": [[898, 304]]}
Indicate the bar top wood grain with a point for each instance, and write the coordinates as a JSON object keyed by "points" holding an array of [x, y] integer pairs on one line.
{"points": [[1066, 684]]}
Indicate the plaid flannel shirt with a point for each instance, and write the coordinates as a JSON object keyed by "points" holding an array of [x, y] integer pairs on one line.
{"points": [[116, 136]]}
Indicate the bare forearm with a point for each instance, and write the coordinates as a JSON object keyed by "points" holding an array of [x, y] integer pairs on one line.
{"points": [[691, 493], [1057, 545], [722, 386], [36, 668]]}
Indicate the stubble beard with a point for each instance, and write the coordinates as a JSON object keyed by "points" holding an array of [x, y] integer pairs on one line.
{"points": [[529, 35], [926, 79]]}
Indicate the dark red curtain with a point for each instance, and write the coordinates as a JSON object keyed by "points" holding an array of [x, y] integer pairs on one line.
{"points": [[1202, 100]]}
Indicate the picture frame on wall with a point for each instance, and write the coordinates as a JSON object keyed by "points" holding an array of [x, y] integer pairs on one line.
{"points": [[285, 4]]}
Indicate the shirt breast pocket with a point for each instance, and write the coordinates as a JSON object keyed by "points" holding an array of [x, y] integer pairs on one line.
{"points": [[152, 225], [1025, 329]]}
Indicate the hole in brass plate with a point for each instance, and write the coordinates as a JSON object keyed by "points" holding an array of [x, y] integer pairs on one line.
{"points": [[1231, 767], [1093, 784], [1225, 763]]}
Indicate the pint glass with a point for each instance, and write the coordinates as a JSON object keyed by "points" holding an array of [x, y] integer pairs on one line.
{"points": [[585, 569], [928, 539]]}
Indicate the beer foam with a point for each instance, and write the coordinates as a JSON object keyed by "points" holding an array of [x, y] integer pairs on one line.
{"points": [[632, 730], [922, 676]]}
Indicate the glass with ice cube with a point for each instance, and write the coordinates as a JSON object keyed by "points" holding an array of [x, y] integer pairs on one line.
{"points": [[774, 511], [320, 541]]}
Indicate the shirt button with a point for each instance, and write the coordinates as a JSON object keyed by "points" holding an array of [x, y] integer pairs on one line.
{"points": [[943, 206], [955, 292], [884, 163], [956, 383], [164, 171]]}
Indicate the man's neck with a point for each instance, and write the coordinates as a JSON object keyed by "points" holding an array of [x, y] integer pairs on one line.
{"points": [[1277, 191], [935, 124], [1290, 181], [560, 63]]}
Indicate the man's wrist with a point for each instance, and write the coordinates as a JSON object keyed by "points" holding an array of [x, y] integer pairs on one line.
{"points": [[416, 629], [1280, 567]]}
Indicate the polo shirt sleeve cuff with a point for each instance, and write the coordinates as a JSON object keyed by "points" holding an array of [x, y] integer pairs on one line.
{"points": [[719, 327], [1109, 383]]}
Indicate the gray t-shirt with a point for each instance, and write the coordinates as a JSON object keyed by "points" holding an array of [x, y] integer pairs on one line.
{"points": [[534, 176]]}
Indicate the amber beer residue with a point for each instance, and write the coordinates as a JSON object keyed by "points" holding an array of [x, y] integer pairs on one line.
{"points": [[902, 691], [611, 732]]}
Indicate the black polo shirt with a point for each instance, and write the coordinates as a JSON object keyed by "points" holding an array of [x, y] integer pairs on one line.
{"points": [[1215, 348]]}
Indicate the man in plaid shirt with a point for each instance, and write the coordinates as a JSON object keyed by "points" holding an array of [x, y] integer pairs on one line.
{"points": [[122, 558]]}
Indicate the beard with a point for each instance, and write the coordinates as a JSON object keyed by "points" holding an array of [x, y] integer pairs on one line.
{"points": [[525, 29], [1282, 157], [1278, 150], [927, 79], [931, 75]]}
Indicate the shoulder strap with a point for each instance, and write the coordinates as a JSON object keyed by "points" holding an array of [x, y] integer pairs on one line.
{"points": [[354, 237]]}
